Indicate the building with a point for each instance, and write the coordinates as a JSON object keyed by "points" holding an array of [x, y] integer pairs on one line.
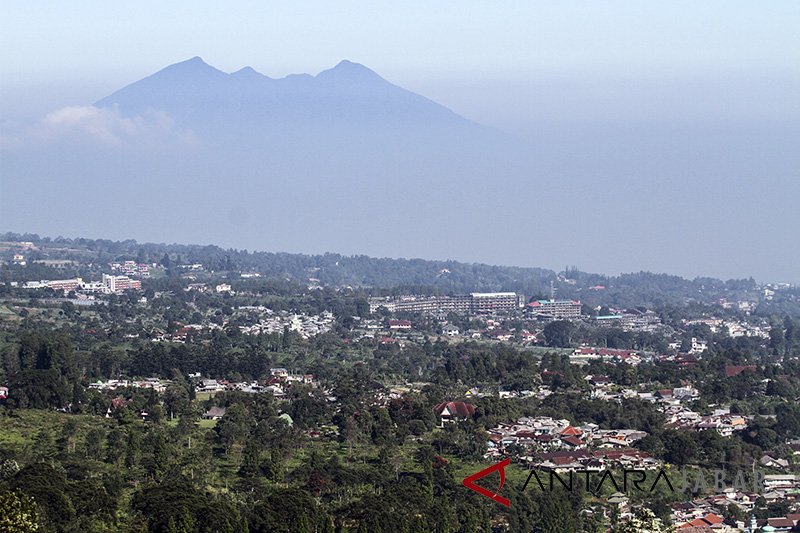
{"points": [[477, 302], [631, 320], [426, 305], [450, 330], [115, 284], [215, 413], [65, 285], [734, 370], [491, 302], [555, 309], [454, 411]]}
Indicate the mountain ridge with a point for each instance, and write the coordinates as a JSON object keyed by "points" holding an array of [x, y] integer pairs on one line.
{"points": [[203, 97]]}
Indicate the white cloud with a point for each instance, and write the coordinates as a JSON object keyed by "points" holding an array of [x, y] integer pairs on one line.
{"points": [[104, 126]]}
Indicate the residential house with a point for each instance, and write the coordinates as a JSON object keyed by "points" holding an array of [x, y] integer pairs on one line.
{"points": [[215, 413], [454, 411]]}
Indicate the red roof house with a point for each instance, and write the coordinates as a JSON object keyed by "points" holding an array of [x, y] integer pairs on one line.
{"points": [[452, 411], [732, 370]]}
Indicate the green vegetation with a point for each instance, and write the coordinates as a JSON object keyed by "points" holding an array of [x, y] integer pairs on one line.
{"points": [[360, 448]]}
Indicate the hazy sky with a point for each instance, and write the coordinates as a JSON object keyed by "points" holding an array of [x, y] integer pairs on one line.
{"points": [[482, 58], [703, 96]]}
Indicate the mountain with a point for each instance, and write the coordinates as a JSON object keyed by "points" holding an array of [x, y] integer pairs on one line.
{"points": [[347, 161], [342, 160], [348, 98]]}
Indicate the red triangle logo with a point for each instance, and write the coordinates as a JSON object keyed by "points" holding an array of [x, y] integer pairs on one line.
{"points": [[501, 467]]}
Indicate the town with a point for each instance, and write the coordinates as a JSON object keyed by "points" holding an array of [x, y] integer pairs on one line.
{"points": [[205, 369]]}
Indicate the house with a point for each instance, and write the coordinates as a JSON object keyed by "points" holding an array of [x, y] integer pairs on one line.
{"points": [[572, 442], [698, 346], [782, 523], [570, 431], [400, 325], [685, 393], [215, 413], [210, 385], [664, 394], [773, 481], [454, 411], [117, 403], [685, 360], [450, 330], [3, 393], [618, 499], [500, 335], [276, 391], [771, 462], [732, 370], [707, 522]]}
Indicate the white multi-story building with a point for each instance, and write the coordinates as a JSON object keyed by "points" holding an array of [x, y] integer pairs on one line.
{"points": [[555, 309], [115, 284], [476, 302], [488, 302]]}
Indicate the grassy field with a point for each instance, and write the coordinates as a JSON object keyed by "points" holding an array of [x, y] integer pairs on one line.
{"points": [[20, 427], [203, 396], [203, 424]]}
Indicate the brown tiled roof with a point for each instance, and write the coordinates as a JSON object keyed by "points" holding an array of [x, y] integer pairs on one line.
{"points": [[780, 522], [459, 409], [731, 371]]}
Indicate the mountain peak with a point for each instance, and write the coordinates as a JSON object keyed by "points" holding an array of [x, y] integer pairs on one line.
{"points": [[249, 73], [349, 71], [194, 66], [202, 97], [346, 63], [194, 62]]}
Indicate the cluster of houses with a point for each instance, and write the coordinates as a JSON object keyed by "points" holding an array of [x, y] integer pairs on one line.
{"points": [[706, 514], [550, 435], [604, 389], [132, 269], [630, 320], [672, 402], [183, 333], [585, 354], [388, 332], [492, 330], [734, 327], [278, 321], [274, 322], [592, 460], [220, 288], [721, 420], [554, 445], [276, 384], [558, 446], [397, 331], [159, 385]]}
